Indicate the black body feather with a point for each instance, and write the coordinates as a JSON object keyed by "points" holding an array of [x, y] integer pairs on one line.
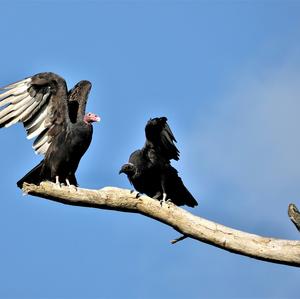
{"points": [[149, 169], [55, 116]]}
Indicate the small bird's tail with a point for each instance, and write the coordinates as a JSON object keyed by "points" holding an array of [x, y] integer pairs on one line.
{"points": [[177, 191], [189, 199], [33, 176]]}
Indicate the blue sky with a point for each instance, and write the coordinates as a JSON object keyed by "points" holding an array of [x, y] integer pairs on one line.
{"points": [[226, 74]]}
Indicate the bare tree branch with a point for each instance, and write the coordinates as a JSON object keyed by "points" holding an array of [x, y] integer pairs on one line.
{"points": [[267, 249], [178, 239]]}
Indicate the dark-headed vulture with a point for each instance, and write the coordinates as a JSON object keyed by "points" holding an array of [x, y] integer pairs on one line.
{"points": [[56, 118], [149, 169]]}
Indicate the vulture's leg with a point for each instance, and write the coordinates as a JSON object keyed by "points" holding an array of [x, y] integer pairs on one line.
{"points": [[163, 187], [57, 180], [69, 185]]}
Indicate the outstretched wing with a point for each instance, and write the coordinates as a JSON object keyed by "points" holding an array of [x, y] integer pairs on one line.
{"points": [[40, 103], [77, 98], [160, 137]]}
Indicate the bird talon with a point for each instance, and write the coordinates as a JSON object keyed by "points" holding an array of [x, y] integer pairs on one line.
{"points": [[137, 195], [165, 200], [71, 186], [58, 184]]}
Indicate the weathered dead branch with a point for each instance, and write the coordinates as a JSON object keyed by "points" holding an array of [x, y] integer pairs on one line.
{"points": [[263, 248]]}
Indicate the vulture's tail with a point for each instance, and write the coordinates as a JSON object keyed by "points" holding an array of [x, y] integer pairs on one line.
{"points": [[177, 191], [32, 177]]}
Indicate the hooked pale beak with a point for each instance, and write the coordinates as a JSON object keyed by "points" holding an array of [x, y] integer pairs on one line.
{"points": [[91, 117]]}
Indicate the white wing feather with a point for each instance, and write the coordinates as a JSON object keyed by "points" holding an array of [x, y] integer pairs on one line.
{"points": [[19, 105]]}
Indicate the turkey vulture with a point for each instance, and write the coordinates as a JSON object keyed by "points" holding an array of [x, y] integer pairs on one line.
{"points": [[149, 169], [56, 117]]}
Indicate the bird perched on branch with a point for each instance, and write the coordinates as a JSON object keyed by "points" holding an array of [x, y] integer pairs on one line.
{"points": [[294, 215], [56, 117], [149, 169]]}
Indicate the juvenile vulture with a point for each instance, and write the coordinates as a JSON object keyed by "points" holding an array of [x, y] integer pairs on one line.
{"points": [[149, 169], [56, 117]]}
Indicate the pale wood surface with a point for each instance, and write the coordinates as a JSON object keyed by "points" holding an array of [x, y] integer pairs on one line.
{"points": [[263, 248]]}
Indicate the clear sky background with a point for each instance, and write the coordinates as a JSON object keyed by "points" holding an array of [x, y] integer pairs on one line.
{"points": [[227, 76]]}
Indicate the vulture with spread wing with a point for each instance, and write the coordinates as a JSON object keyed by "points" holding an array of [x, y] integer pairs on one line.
{"points": [[56, 117], [149, 169]]}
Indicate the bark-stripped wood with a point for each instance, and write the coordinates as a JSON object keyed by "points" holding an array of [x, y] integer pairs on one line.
{"points": [[263, 248]]}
